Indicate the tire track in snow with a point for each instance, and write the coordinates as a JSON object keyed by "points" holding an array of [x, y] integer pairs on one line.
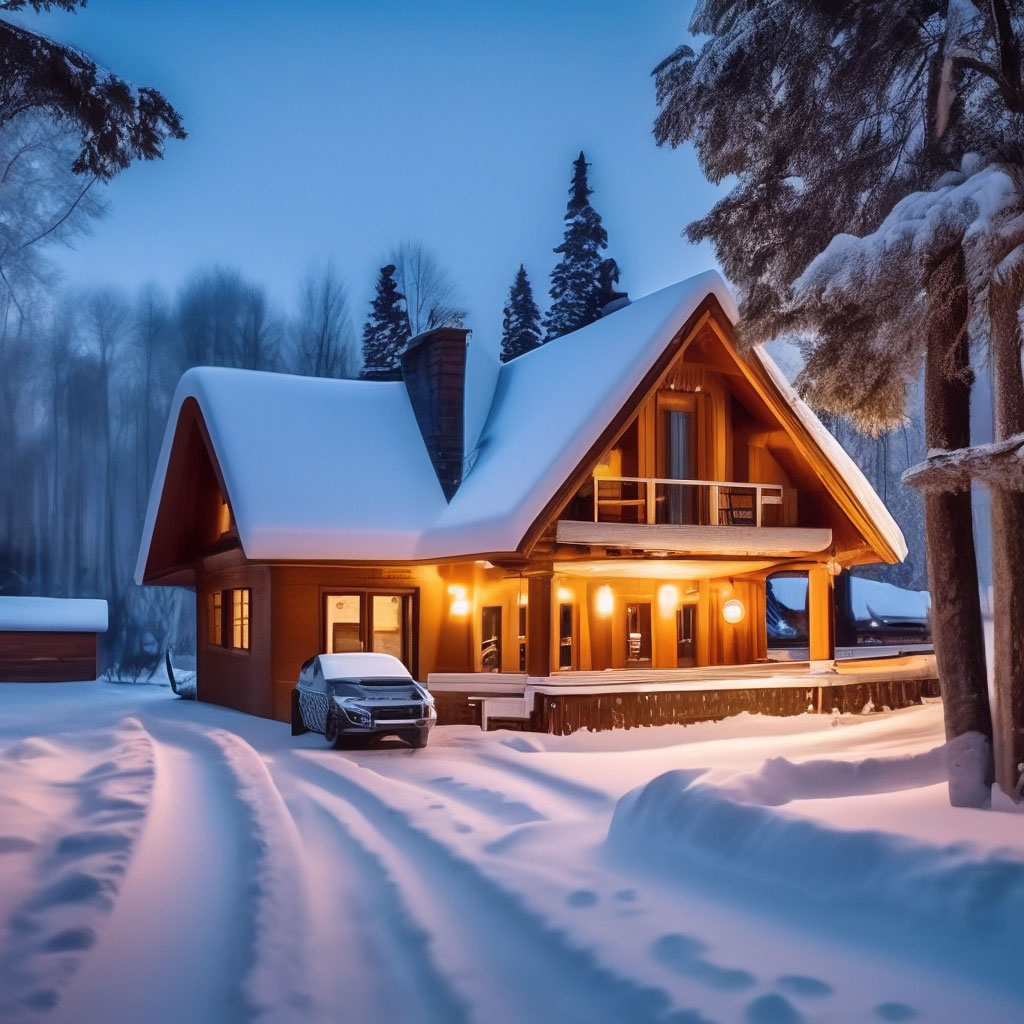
{"points": [[388, 970], [178, 911], [508, 963]]}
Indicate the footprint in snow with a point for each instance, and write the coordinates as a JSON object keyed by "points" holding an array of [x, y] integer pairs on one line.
{"points": [[772, 1009], [686, 955], [802, 985], [895, 1011], [626, 895], [581, 898]]}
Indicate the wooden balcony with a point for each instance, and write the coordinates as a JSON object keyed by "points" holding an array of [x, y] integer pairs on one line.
{"points": [[697, 517]]}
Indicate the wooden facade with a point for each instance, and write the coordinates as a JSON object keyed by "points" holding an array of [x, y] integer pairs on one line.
{"points": [[706, 445], [47, 656]]}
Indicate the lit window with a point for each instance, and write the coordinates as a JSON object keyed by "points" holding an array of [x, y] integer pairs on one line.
{"points": [[216, 630], [240, 619]]}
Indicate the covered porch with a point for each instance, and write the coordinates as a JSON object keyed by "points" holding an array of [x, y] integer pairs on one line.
{"points": [[572, 700]]}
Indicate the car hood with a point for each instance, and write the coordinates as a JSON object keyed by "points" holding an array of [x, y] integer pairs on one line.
{"points": [[378, 694]]}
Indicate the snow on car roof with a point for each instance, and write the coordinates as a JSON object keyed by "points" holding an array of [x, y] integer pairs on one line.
{"points": [[57, 614], [337, 469], [360, 666]]}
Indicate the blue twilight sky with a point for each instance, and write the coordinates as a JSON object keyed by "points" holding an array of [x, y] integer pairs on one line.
{"points": [[335, 129]]}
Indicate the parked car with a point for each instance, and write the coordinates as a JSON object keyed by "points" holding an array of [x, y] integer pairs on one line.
{"points": [[352, 696]]}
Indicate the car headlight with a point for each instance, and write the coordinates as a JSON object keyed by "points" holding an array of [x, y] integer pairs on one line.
{"points": [[355, 714]]}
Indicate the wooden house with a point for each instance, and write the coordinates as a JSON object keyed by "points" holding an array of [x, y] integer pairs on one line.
{"points": [[49, 639], [601, 512]]}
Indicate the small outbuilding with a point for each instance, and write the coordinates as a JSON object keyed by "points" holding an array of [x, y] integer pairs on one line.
{"points": [[49, 639]]}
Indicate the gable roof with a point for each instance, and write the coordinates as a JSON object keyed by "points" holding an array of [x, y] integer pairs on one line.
{"points": [[331, 470]]}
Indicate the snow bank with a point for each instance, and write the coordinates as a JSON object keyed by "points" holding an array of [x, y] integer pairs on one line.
{"points": [[881, 879], [60, 614]]}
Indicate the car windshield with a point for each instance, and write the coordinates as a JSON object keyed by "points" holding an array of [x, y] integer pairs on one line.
{"points": [[336, 684]]}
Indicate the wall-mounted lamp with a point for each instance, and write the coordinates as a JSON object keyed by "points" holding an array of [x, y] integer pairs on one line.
{"points": [[733, 611], [565, 595], [605, 601], [668, 598], [460, 603]]}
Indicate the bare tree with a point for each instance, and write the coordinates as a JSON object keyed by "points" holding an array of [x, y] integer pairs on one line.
{"points": [[323, 338], [431, 297]]}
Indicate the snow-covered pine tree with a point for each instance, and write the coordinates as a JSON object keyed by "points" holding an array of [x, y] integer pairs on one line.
{"points": [[828, 115], [116, 122], [386, 331], [576, 287], [520, 324]]}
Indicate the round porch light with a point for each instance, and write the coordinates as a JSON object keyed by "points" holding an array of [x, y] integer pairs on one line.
{"points": [[605, 600], [565, 595], [733, 611]]}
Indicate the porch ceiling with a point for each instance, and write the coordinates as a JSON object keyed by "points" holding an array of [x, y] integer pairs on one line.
{"points": [[661, 568], [777, 541]]}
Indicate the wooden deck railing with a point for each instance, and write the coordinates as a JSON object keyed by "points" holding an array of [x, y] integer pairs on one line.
{"points": [[656, 500]]}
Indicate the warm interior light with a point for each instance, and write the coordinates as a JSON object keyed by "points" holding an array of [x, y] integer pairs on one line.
{"points": [[523, 600], [565, 595], [605, 600], [733, 611], [668, 598]]}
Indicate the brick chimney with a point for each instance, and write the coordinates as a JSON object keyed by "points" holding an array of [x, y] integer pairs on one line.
{"points": [[434, 371]]}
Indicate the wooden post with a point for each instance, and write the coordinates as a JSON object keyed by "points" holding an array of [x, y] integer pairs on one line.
{"points": [[538, 625], [821, 619]]}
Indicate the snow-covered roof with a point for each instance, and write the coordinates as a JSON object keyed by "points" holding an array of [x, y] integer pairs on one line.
{"points": [[337, 469], [56, 614]]}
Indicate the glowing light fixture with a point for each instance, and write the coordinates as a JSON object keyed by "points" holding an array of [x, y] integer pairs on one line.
{"points": [[668, 598], [605, 600], [460, 603], [733, 611], [565, 595]]}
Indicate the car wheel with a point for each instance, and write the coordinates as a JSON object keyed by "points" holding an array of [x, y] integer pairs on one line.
{"points": [[298, 722], [331, 733], [417, 738]]}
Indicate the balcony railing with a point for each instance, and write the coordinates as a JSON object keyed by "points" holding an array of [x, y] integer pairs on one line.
{"points": [[656, 501]]}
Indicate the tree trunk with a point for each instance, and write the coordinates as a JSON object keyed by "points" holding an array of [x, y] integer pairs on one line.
{"points": [[1007, 546], [953, 570]]}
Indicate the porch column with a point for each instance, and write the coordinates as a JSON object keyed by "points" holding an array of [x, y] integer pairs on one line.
{"points": [[821, 615], [538, 625]]}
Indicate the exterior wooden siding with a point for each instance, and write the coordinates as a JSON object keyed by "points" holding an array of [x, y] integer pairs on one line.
{"points": [[562, 714], [47, 657]]}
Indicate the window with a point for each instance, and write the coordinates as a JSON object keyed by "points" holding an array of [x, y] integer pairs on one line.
{"points": [[565, 636], [638, 634], [522, 638], [490, 639], [228, 622], [215, 627], [240, 619]]}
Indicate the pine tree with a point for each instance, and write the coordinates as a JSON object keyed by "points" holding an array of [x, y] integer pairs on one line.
{"points": [[841, 127], [386, 332], [520, 326], [576, 285]]}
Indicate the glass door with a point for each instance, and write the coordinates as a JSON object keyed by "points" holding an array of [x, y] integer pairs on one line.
{"points": [[686, 635], [344, 623], [366, 621], [490, 638], [678, 464], [638, 634]]}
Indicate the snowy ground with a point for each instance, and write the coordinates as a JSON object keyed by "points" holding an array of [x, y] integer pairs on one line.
{"points": [[167, 861]]}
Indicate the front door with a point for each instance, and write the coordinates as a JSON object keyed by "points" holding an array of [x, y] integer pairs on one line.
{"points": [[686, 635]]}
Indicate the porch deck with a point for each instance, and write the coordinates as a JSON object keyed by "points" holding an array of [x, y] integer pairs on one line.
{"points": [[623, 698]]}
